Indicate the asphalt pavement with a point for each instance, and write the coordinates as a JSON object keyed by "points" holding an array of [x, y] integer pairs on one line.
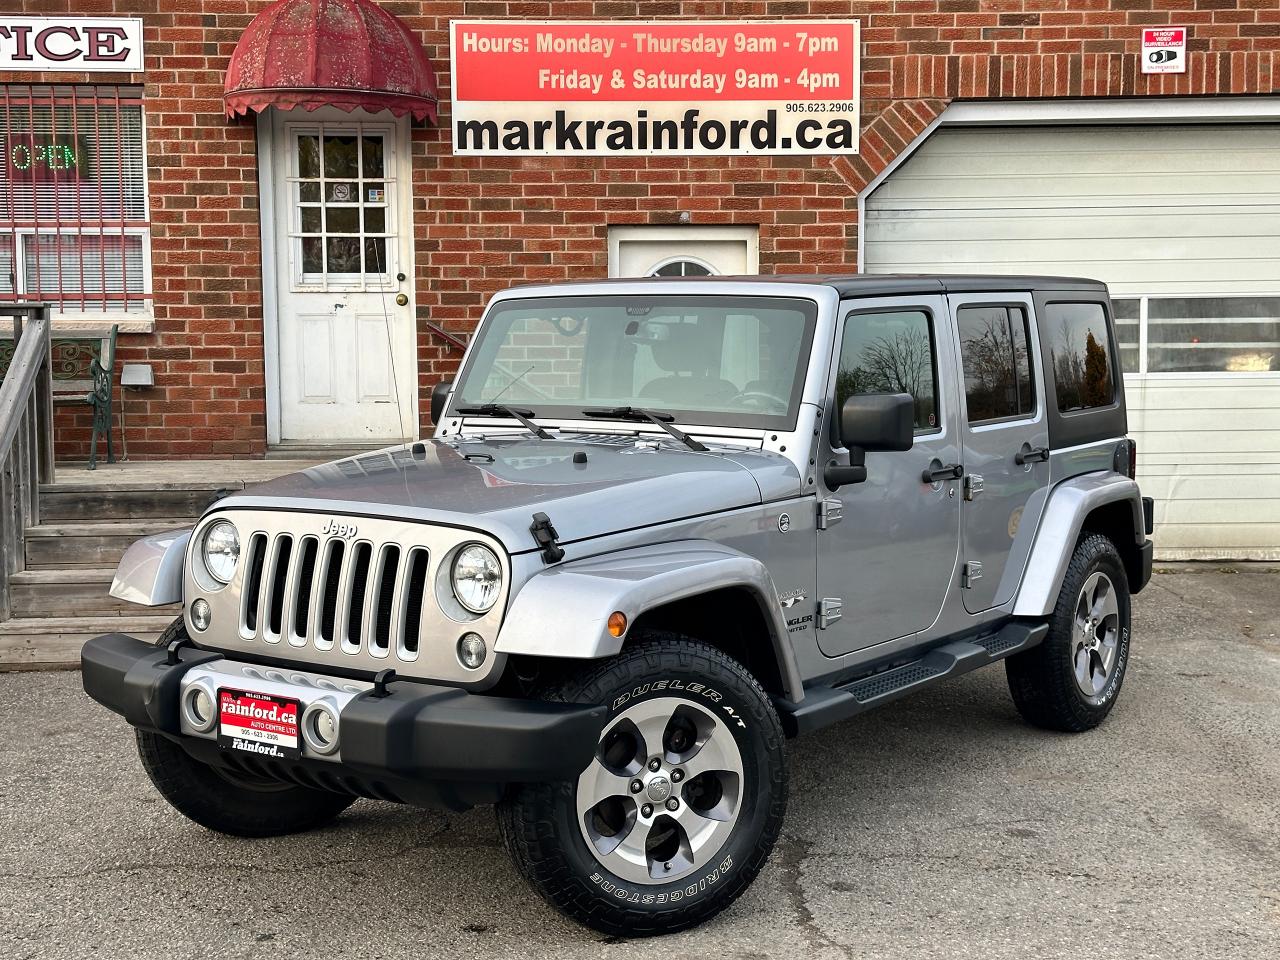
{"points": [[939, 827]]}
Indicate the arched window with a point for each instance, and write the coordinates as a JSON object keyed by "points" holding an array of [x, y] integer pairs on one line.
{"points": [[682, 267]]}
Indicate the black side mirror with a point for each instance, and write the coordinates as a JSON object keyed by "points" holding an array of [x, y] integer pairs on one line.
{"points": [[439, 396], [871, 421]]}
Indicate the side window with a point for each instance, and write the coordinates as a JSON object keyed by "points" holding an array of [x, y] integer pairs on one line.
{"points": [[1080, 351], [891, 352], [997, 363]]}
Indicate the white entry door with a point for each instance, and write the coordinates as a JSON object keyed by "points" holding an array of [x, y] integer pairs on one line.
{"points": [[346, 369], [683, 251]]}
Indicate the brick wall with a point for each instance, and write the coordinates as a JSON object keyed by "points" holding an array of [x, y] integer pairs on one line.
{"points": [[484, 223]]}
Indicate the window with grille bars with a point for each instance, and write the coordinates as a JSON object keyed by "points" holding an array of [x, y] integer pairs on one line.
{"points": [[73, 198]]}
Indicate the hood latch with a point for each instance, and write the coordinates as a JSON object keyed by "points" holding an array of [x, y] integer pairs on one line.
{"points": [[544, 535]]}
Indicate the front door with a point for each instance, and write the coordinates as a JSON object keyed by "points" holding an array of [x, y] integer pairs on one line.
{"points": [[346, 370], [1006, 443], [892, 559]]}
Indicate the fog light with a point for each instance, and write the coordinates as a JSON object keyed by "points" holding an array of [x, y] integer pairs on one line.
{"points": [[471, 651], [197, 705], [201, 615], [320, 727]]}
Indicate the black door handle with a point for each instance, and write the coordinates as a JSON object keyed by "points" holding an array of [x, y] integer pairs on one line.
{"points": [[936, 471], [1030, 454]]}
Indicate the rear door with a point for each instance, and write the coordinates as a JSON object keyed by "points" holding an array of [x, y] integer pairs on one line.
{"points": [[1005, 437]]}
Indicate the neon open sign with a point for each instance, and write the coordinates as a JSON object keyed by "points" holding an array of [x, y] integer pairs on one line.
{"points": [[34, 157]]}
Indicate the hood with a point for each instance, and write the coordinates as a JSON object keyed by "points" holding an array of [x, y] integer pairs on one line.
{"points": [[497, 483]]}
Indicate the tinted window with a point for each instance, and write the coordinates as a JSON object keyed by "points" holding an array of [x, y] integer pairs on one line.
{"points": [[890, 353], [997, 363], [1080, 352]]}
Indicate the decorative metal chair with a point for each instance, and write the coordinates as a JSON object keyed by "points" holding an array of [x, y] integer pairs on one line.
{"points": [[101, 376]]}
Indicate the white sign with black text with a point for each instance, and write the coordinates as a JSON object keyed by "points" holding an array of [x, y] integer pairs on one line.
{"points": [[92, 44], [1164, 50]]}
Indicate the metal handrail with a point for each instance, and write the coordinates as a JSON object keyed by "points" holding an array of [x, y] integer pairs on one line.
{"points": [[26, 437]]}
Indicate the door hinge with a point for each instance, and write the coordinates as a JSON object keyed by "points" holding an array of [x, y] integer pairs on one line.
{"points": [[970, 573], [830, 609], [830, 512], [973, 486]]}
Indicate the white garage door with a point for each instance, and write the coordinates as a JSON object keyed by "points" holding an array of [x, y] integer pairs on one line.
{"points": [[1184, 224]]}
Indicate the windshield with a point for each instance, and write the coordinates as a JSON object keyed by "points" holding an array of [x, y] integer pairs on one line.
{"points": [[730, 361]]}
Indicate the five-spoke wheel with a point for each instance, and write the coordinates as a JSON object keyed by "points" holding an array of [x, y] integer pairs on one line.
{"points": [[663, 792], [1097, 629]]}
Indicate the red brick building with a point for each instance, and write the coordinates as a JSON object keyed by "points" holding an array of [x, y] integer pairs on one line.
{"points": [[1019, 115]]}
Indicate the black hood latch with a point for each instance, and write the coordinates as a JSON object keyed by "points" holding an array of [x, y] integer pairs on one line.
{"points": [[544, 535]]}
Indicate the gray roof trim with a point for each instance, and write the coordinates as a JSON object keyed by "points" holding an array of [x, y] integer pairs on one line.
{"points": [[846, 285]]}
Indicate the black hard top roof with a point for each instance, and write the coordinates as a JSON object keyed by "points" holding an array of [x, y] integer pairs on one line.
{"points": [[864, 284]]}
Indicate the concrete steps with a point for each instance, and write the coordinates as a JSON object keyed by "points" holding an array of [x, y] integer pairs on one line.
{"points": [[65, 544], [87, 521], [76, 591], [43, 643], [92, 503]]}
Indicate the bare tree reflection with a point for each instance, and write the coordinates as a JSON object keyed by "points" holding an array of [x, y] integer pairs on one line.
{"points": [[897, 363]]}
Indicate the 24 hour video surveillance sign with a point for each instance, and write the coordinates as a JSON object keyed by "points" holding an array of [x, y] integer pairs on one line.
{"points": [[603, 88]]}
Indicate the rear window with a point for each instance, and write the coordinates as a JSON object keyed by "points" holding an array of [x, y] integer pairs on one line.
{"points": [[997, 363], [1080, 352]]}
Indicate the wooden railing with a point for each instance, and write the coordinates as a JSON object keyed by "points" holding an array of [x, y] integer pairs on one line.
{"points": [[26, 436]]}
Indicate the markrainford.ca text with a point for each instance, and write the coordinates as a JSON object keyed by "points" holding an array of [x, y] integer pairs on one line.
{"points": [[691, 132]]}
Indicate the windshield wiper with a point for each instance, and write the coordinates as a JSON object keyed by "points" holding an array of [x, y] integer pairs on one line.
{"points": [[511, 413], [639, 415]]}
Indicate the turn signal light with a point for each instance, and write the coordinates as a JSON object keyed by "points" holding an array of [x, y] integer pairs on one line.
{"points": [[617, 623]]}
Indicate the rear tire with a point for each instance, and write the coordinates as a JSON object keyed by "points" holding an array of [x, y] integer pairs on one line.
{"points": [[679, 810], [1070, 681], [229, 803]]}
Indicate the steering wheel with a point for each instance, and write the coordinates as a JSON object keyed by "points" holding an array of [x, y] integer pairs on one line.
{"points": [[758, 399]]}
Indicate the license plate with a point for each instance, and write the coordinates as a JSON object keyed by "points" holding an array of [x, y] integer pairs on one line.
{"points": [[258, 723]]}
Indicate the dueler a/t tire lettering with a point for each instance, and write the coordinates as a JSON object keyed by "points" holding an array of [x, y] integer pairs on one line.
{"points": [[539, 822]]}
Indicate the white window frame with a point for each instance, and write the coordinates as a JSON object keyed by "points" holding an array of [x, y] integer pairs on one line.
{"points": [[1145, 373], [139, 320], [356, 282]]}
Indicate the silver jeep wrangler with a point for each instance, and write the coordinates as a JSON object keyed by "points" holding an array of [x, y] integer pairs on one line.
{"points": [[663, 526]]}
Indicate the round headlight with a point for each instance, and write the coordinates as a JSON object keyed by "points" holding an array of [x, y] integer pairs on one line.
{"points": [[221, 549], [477, 578]]}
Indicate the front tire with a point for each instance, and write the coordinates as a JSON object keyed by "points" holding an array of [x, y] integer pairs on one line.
{"points": [[1070, 682], [681, 806], [229, 803]]}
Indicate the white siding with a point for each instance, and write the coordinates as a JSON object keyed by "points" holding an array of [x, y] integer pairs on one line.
{"points": [[1154, 210]]}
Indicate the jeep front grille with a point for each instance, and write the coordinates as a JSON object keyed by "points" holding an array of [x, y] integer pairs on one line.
{"points": [[368, 600], [317, 592]]}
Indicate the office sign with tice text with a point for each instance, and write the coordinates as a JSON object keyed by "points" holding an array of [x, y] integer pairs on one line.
{"points": [[602, 88], [93, 44]]}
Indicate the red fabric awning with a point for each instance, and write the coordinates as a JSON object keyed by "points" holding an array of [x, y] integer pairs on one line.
{"points": [[349, 54]]}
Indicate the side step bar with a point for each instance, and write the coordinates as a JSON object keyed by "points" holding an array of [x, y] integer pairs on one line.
{"points": [[824, 706]]}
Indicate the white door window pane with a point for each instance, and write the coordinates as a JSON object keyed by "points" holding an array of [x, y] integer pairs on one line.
{"points": [[1128, 318], [1213, 334], [341, 222]]}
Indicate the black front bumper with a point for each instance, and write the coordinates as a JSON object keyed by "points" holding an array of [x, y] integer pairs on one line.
{"points": [[424, 744]]}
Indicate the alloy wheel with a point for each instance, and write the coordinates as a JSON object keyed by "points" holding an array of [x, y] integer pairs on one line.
{"points": [[663, 792], [1096, 637]]}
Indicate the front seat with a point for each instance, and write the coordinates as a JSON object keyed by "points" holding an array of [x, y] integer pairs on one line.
{"points": [[692, 359]]}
